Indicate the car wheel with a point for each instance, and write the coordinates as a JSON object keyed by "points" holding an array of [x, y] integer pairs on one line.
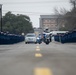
{"points": [[35, 42], [25, 42]]}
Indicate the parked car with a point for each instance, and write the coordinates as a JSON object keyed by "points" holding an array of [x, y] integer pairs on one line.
{"points": [[30, 38]]}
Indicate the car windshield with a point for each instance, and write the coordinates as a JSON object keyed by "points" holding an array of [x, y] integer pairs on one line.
{"points": [[30, 36]]}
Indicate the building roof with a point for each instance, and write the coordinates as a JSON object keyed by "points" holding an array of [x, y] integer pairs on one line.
{"points": [[50, 16]]}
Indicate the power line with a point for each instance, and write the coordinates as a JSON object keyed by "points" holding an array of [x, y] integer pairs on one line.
{"points": [[29, 13], [37, 13], [26, 12], [34, 2]]}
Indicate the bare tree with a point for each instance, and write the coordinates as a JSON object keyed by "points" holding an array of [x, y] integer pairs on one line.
{"points": [[63, 11], [60, 11], [73, 2], [60, 17], [56, 11]]}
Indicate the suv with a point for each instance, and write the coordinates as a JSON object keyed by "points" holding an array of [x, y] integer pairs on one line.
{"points": [[30, 38]]}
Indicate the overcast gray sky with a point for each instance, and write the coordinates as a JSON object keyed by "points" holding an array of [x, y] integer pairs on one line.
{"points": [[34, 8]]}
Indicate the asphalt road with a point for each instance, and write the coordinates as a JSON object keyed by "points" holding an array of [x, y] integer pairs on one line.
{"points": [[35, 59]]}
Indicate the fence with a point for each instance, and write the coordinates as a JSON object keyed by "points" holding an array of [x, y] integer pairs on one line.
{"points": [[10, 38], [69, 37]]}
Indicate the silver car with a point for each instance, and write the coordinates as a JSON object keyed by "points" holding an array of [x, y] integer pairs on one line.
{"points": [[30, 38]]}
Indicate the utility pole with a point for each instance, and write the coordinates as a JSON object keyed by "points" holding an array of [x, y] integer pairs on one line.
{"points": [[1, 23], [1, 16]]}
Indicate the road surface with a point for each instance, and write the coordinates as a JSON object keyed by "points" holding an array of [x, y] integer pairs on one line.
{"points": [[35, 59]]}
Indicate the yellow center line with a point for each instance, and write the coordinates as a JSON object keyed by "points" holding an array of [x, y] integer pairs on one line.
{"points": [[42, 71], [37, 47], [38, 55]]}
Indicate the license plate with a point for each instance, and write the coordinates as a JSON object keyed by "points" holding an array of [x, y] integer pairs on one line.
{"points": [[30, 39]]}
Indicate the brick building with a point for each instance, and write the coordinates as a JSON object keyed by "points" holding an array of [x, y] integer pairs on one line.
{"points": [[52, 22]]}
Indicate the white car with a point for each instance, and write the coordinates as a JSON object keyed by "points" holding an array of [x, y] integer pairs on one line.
{"points": [[30, 38]]}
